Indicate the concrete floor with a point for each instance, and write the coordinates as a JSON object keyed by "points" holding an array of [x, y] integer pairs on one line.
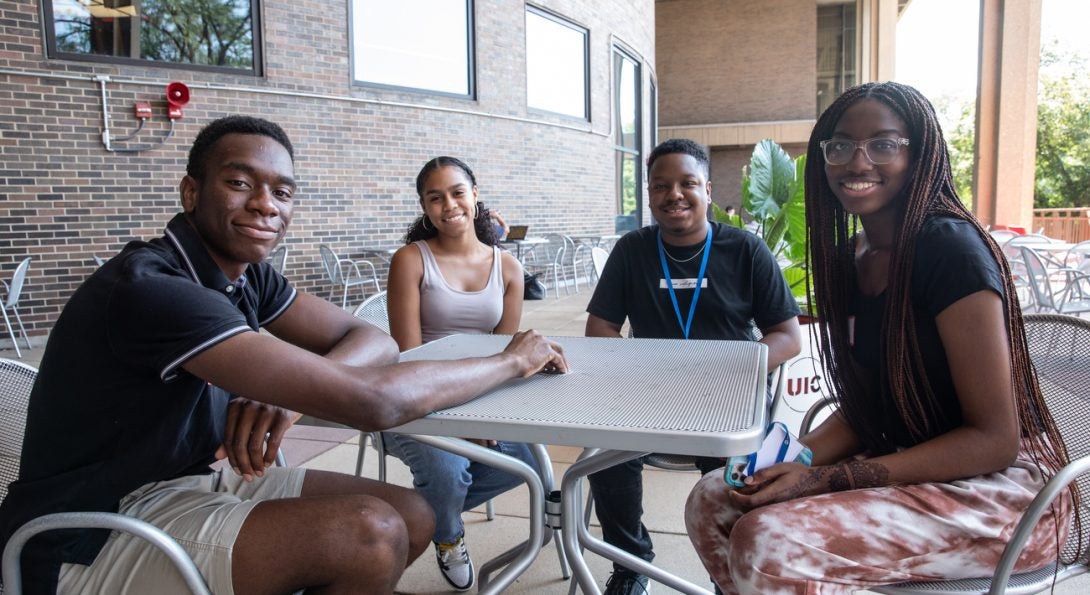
{"points": [[335, 449]]}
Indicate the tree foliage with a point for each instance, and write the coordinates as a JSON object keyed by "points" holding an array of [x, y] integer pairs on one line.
{"points": [[214, 32], [959, 128], [1063, 132], [208, 32], [1062, 177]]}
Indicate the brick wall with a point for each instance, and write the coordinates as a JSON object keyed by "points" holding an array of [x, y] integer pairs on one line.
{"points": [[724, 61], [64, 198], [735, 61]]}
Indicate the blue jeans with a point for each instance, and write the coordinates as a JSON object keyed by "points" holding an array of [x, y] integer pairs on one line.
{"points": [[452, 483]]}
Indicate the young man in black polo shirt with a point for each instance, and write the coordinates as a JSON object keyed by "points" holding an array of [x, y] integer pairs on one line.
{"points": [[154, 369], [685, 278]]}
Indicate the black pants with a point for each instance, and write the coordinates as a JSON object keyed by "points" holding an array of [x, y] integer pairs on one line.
{"points": [[618, 502]]}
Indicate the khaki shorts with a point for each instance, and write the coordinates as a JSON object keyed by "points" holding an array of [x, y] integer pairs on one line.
{"points": [[204, 513]]}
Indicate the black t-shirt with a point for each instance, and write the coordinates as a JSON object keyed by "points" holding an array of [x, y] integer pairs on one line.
{"points": [[742, 283], [952, 261], [112, 409]]}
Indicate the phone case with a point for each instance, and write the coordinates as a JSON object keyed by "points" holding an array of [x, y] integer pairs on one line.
{"points": [[778, 446]]}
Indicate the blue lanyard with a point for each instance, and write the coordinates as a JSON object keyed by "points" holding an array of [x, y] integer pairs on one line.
{"points": [[699, 280]]}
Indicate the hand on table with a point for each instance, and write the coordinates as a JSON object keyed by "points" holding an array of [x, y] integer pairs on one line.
{"points": [[537, 354], [244, 441]]}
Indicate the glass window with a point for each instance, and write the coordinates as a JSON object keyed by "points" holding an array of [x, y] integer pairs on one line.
{"points": [[836, 51], [416, 44], [206, 34], [627, 137], [556, 64]]}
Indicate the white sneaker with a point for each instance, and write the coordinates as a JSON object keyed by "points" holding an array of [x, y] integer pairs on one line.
{"points": [[455, 565]]}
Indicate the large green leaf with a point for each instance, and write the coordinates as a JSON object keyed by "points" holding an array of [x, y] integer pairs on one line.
{"points": [[771, 174], [718, 214], [795, 211]]}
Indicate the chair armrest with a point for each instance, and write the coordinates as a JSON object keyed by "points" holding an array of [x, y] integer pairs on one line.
{"points": [[1055, 486], [371, 265], [811, 415], [13, 580], [778, 380], [346, 268]]}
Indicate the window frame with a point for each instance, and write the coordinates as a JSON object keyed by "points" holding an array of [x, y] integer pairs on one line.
{"points": [[471, 58], [619, 52], [49, 32], [563, 21]]}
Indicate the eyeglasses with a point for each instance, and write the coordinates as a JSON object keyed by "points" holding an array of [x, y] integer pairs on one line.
{"points": [[878, 151]]}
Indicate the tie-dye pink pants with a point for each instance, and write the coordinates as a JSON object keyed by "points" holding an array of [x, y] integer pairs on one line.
{"points": [[839, 542]]}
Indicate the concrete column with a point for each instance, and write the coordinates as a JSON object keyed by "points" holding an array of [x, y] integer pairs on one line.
{"points": [[1006, 111], [878, 24]]}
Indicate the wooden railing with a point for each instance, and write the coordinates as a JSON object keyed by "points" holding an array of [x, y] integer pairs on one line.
{"points": [[1069, 225]]}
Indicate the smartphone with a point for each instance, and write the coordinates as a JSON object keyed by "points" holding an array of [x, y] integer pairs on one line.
{"points": [[735, 471], [778, 446]]}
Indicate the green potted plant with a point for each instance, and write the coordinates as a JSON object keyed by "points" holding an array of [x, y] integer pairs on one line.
{"points": [[773, 197]]}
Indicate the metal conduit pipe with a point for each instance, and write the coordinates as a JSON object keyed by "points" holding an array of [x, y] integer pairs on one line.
{"points": [[307, 95]]}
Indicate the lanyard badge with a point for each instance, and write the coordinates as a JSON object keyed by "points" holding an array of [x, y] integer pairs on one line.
{"points": [[685, 324]]}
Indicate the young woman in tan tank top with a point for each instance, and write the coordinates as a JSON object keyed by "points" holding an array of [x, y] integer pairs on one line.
{"points": [[450, 278]]}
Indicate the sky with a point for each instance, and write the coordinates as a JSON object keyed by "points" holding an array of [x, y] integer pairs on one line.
{"points": [[937, 42]]}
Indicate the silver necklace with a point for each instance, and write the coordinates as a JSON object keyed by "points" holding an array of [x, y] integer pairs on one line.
{"points": [[698, 253]]}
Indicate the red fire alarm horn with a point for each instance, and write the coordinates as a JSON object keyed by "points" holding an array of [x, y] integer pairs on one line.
{"points": [[177, 97]]}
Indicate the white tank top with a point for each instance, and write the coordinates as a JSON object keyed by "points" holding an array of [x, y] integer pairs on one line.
{"points": [[447, 311]]}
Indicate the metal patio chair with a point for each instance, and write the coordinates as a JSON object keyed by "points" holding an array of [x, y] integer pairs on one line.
{"points": [[1059, 347], [16, 380], [577, 258], [547, 259], [345, 273], [11, 301], [1078, 257], [278, 258], [1002, 235], [1072, 298], [598, 256]]}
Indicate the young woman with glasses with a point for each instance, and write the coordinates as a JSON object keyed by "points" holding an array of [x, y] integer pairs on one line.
{"points": [[941, 438]]}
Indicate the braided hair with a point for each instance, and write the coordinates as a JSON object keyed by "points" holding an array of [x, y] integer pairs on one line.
{"points": [[929, 192], [482, 222]]}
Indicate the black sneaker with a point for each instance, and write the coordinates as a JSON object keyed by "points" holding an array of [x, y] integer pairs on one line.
{"points": [[626, 582]]}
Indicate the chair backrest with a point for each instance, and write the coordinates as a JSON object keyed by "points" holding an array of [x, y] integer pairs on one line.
{"points": [[599, 256], [1038, 278], [1078, 257], [331, 264], [16, 285], [373, 310], [1059, 347], [1030, 239], [16, 380], [1012, 247], [1002, 235], [279, 257], [555, 249]]}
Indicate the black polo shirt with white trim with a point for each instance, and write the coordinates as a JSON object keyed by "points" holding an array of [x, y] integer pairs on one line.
{"points": [[112, 408]]}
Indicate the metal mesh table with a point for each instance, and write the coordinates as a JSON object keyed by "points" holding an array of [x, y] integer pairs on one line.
{"points": [[623, 397]]}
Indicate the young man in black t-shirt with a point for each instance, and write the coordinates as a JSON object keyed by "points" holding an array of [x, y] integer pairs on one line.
{"points": [[652, 278]]}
